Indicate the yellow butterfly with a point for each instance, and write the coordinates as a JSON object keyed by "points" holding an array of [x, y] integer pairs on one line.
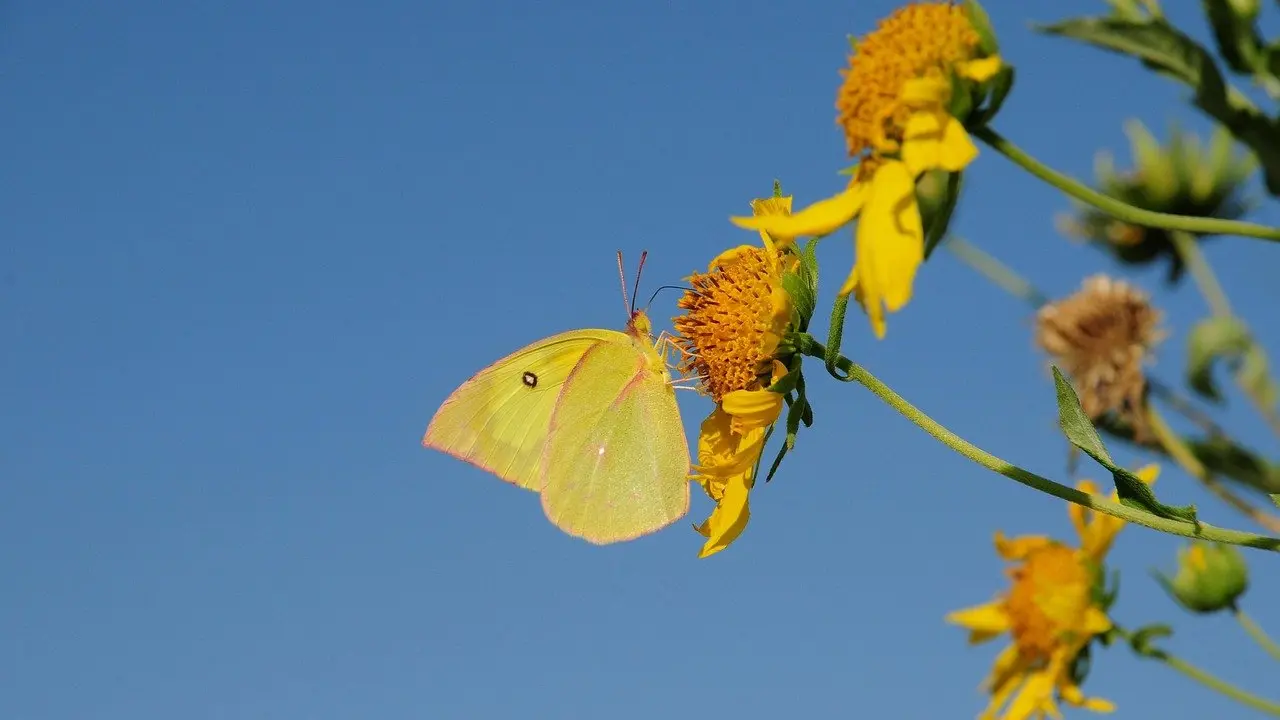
{"points": [[588, 418]]}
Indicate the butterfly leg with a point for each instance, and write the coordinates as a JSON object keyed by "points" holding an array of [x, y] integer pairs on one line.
{"points": [[666, 343]]}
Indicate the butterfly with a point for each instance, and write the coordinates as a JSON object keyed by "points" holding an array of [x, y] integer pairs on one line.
{"points": [[588, 419]]}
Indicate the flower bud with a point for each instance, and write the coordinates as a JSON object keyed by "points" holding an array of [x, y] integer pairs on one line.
{"points": [[1210, 577]]}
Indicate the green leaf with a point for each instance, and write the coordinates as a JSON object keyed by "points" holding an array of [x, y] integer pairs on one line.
{"points": [[1000, 85], [1275, 498], [1230, 460], [1164, 49], [1141, 639], [1209, 340], [978, 19], [1079, 429], [1137, 494], [1076, 425]]}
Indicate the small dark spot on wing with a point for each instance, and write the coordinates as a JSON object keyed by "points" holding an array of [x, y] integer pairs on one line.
{"points": [[529, 379]]}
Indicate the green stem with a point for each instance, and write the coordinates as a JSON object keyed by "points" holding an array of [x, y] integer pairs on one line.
{"points": [[807, 345], [1181, 454], [1188, 248], [1241, 696], [1257, 633], [995, 271], [1117, 209]]}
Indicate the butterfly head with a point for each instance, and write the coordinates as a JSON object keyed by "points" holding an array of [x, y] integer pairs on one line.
{"points": [[639, 325]]}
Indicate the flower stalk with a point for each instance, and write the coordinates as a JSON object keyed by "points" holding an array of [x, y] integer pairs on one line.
{"points": [[808, 345], [1256, 632], [1120, 210], [1204, 678]]}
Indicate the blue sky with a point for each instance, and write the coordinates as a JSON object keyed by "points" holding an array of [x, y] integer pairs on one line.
{"points": [[252, 246]]}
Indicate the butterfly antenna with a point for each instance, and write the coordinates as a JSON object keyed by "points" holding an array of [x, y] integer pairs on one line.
{"points": [[671, 287], [639, 269], [622, 280]]}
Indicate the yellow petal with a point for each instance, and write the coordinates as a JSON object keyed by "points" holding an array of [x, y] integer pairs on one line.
{"points": [[1096, 622], [729, 518], [929, 91], [1071, 694], [729, 256], [1035, 696], [722, 452], [819, 218], [772, 206], [934, 139], [979, 70], [890, 236], [752, 409], [1020, 547], [984, 621], [1148, 473]]}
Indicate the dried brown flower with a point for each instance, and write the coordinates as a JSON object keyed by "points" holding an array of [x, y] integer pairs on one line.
{"points": [[1101, 337]]}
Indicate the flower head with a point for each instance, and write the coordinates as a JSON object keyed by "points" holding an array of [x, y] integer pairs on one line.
{"points": [[894, 108], [1101, 337], [1052, 611], [1181, 177], [736, 315]]}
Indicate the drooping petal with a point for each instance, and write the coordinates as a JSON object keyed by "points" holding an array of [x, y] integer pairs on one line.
{"points": [[819, 218], [934, 139], [752, 409], [729, 518], [890, 231], [723, 453]]}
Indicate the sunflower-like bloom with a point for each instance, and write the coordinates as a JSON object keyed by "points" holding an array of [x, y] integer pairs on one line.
{"points": [[1054, 608], [893, 107], [735, 317]]}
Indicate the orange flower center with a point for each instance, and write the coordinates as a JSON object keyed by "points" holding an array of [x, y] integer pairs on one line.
{"points": [[732, 324], [1052, 591], [914, 41]]}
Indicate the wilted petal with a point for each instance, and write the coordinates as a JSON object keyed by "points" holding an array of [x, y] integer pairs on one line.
{"points": [[729, 518]]}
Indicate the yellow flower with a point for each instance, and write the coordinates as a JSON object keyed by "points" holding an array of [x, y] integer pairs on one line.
{"points": [[1051, 611], [893, 108], [735, 317]]}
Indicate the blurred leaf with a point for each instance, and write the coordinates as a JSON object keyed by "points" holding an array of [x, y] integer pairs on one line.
{"points": [[1164, 49], [1228, 339], [1236, 36], [1275, 498], [1209, 340], [981, 23], [1228, 459], [1142, 638]]}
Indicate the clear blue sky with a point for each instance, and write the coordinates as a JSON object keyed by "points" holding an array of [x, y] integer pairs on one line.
{"points": [[250, 247]]}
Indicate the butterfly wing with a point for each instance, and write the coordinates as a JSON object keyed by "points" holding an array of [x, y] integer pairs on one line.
{"points": [[499, 419], [617, 463]]}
